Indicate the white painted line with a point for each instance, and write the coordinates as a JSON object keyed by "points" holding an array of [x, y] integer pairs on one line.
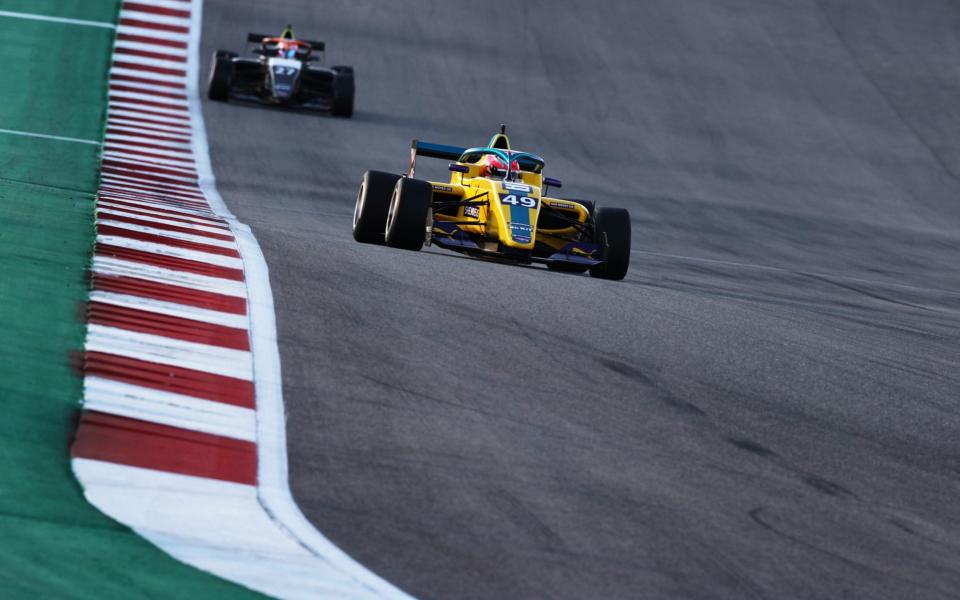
{"points": [[175, 410], [217, 526], [108, 265], [62, 20], [169, 351], [166, 233], [184, 311], [227, 262], [49, 137]]}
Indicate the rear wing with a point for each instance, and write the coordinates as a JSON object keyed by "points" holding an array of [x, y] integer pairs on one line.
{"points": [[431, 150], [256, 38]]}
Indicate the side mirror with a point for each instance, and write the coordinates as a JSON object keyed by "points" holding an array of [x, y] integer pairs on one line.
{"points": [[456, 168], [551, 182]]}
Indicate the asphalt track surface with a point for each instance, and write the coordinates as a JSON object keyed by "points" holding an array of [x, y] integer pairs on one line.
{"points": [[767, 407]]}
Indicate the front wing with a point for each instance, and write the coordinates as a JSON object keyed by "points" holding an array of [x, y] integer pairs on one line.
{"points": [[448, 235]]}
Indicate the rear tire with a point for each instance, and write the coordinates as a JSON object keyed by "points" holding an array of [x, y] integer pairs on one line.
{"points": [[343, 92], [373, 202], [407, 218], [220, 76], [612, 229]]}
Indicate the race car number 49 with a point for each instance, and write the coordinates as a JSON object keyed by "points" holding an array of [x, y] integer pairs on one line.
{"points": [[515, 200]]}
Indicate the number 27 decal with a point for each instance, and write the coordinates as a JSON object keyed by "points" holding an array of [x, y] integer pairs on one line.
{"points": [[516, 200]]}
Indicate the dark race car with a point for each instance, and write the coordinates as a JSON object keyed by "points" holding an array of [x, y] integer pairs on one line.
{"points": [[285, 71]]}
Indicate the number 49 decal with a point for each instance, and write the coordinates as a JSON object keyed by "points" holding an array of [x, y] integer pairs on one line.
{"points": [[516, 200]]}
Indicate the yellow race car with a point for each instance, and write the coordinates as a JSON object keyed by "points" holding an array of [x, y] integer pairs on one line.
{"points": [[494, 206]]}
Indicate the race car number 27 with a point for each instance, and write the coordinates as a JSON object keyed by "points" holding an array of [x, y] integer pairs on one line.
{"points": [[515, 200]]}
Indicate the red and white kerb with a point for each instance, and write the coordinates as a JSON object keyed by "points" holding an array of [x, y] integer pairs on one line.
{"points": [[168, 370], [182, 435]]}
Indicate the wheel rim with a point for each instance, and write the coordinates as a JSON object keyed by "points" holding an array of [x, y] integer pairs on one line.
{"points": [[358, 207], [391, 214]]}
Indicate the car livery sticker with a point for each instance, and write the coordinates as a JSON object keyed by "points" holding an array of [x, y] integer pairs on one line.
{"points": [[471, 211], [520, 206], [521, 232], [516, 187]]}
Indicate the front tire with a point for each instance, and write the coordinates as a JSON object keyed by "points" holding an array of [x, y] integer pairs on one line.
{"points": [[407, 217], [343, 92], [611, 228], [221, 74], [373, 202]]}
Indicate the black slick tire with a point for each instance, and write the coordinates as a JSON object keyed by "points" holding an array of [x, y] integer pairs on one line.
{"points": [[612, 232], [407, 216], [343, 92], [220, 76], [373, 202]]}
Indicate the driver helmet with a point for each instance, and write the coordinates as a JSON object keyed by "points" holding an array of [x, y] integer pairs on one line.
{"points": [[286, 49], [493, 166]]}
